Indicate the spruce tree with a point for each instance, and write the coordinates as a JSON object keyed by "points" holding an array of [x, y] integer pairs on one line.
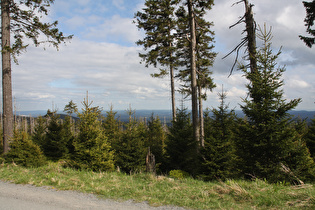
{"points": [[158, 21], [131, 151], [310, 138], [156, 136], [112, 128], [204, 56], [309, 22], [218, 155], [55, 146], [24, 152], [92, 150], [68, 128], [180, 146], [267, 140], [39, 134]]}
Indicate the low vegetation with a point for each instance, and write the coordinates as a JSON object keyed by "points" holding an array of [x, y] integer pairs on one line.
{"points": [[162, 190]]}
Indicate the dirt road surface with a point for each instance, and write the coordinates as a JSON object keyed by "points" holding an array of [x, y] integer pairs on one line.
{"points": [[28, 197]]}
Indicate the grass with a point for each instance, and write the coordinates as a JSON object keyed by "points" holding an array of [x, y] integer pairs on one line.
{"points": [[160, 190]]}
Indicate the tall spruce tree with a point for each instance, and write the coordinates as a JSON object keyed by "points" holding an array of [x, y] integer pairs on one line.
{"points": [[204, 57], [267, 139], [158, 22], [20, 20], [309, 22]]}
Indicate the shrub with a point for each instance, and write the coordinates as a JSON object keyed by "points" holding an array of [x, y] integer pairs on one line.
{"points": [[178, 174], [24, 152]]}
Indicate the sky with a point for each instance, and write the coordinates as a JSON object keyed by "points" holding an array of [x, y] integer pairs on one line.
{"points": [[102, 58]]}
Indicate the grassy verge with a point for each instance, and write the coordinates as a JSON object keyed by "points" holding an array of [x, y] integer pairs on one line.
{"points": [[158, 191]]}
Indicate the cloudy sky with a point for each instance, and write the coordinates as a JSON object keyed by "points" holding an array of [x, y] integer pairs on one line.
{"points": [[102, 58]]}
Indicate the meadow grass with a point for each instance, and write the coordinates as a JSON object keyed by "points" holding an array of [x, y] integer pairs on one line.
{"points": [[160, 190]]}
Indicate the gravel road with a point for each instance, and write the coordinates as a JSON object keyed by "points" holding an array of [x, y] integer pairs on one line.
{"points": [[28, 197]]}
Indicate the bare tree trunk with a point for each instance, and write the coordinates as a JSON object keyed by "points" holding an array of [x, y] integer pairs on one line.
{"points": [[201, 119], [194, 98], [251, 35], [172, 76], [150, 162], [6, 76], [173, 92]]}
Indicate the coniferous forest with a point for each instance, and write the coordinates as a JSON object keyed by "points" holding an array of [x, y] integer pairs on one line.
{"points": [[204, 143]]}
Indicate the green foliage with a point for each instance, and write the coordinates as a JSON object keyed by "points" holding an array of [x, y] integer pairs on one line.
{"points": [[24, 152], [112, 128], [158, 22], [178, 174], [310, 138], [266, 140], [204, 48], [181, 149], [68, 135], [91, 148], [131, 151], [309, 22], [155, 139], [218, 155], [39, 134], [55, 147], [70, 108], [26, 16]]}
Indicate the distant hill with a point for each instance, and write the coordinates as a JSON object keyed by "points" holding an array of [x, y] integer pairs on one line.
{"points": [[166, 115]]}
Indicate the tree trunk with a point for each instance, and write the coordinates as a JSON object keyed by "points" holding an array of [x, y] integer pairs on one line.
{"points": [[173, 92], [194, 98], [6, 76], [251, 36], [201, 120], [150, 162]]}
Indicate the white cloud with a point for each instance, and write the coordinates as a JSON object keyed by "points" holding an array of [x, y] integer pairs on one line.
{"points": [[119, 4], [115, 29], [103, 59]]}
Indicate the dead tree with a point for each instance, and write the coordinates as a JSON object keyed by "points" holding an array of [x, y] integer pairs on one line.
{"points": [[150, 162], [249, 40]]}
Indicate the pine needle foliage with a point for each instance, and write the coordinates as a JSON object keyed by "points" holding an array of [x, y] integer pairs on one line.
{"points": [[24, 152], [181, 147], [39, 134], [112, 127], [267, 139], [55, 146], [131, 151], [156, 137], [310, 138], [218, 155], [91, 148], [309, 23]]}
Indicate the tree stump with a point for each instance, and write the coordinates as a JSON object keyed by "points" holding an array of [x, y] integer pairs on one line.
{"points": [[150, 162]]}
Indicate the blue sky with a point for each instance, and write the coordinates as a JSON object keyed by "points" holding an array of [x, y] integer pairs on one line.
{"points": [[103, 59]]}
